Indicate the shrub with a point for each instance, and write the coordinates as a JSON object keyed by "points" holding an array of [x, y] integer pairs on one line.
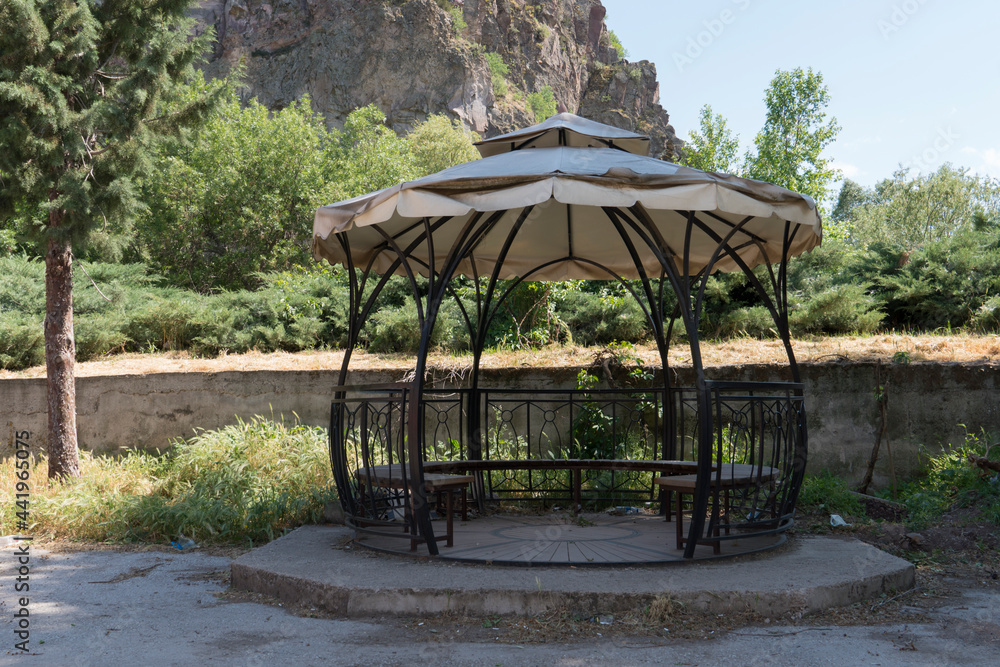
{"points": [[951, 481], [600, 319], [458, 24], [986, 317], [542, 103], [22, 342], [617, 44], [98, 335], [498, 73], [123, 309], [165, 321], [755, 321], [397, 330], [944, 283], [840, 309]]}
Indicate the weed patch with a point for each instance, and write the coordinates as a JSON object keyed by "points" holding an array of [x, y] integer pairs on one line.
{"points": [[242, 484], [952, 482], [827, 494]]}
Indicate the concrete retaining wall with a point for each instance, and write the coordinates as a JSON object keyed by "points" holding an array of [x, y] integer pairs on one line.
{"points": [[928, 403]]}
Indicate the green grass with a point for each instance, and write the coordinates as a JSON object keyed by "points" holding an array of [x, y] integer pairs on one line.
{"points": [[827, 494], [242, 484]]}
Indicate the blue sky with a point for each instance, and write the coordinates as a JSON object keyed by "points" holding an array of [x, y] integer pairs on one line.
{"points": [[912, 82]]}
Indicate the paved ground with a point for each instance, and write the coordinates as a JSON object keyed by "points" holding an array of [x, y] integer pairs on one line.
{"points": [[164, 608]]}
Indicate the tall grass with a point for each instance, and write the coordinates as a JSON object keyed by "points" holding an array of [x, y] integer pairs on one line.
{"points": [[242, 484]]}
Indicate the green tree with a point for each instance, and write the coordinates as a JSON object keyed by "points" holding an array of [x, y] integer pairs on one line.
{"points": [[80, 84], [908, 212], [439, 143], [238, 200], [796, 131], [369, 156], [498, 73], [714, 147], [543, 103], [851, 196]]}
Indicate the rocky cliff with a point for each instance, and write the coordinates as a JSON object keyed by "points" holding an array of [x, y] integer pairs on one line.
{"points": [[417, 57]]}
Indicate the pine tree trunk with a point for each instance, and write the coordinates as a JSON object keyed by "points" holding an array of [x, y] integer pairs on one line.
{"points": [[60, 356]]}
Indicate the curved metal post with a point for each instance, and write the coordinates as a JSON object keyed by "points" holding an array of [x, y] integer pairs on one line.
{"points": [[651, 236]]}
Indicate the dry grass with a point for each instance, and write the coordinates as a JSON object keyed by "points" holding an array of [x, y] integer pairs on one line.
{"points": [[962, 348]]}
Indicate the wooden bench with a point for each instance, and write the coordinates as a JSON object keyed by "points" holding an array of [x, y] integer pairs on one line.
{"points": [[392, 477], [731, 477], [576, 466]]}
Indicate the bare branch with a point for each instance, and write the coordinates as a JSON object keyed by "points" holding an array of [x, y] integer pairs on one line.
{"points": [[82, 268]]}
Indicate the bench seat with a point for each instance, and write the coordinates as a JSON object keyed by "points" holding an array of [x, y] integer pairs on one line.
{"points": [[731, 476], [392, 477]]}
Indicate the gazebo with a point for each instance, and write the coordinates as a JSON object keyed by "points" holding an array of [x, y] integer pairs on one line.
{"points": [[570, 199]]}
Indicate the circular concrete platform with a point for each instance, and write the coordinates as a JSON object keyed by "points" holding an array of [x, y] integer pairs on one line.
{"points": [[588, 539], [322, 567]]}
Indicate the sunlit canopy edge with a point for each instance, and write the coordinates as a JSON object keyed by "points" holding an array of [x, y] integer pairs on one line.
{"points": [[568, 188]]}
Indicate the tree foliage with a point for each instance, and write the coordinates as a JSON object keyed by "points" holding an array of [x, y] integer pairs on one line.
{"points": [[542, 103], [498, 73], [81, 83], [714, 147], [439, 143], [909, 211], [368, 155], [789, 148], [80, 86], [239, 200]]}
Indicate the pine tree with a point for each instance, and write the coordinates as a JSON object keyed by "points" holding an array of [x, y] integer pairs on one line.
{"points": [[81, 83]]}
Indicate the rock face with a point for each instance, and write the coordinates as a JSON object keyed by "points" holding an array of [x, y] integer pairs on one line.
{"points": [[413, 58]]}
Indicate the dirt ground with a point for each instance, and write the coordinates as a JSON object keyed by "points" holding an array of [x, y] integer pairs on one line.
{"points": [[967, 349], [955, 555]]}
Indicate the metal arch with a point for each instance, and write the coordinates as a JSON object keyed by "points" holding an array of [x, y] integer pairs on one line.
{"points": [[690, 318], [650, 315], [465, 243], [359, 315], [779, 316], [779, 313]]}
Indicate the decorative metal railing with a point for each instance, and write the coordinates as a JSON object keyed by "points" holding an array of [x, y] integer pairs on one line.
{"points": [[758, 452], [367, 429], [610, 424], [757, 444]]}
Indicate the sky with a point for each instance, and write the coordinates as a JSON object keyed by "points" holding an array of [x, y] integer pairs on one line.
{"points": [[912, 83]]}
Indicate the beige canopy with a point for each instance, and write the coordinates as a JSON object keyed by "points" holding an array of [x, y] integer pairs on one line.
{"points": [[569, 171], [565, 129]]}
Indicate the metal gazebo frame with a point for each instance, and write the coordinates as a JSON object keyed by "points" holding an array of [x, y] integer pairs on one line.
{"points": [[761, 425]]}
